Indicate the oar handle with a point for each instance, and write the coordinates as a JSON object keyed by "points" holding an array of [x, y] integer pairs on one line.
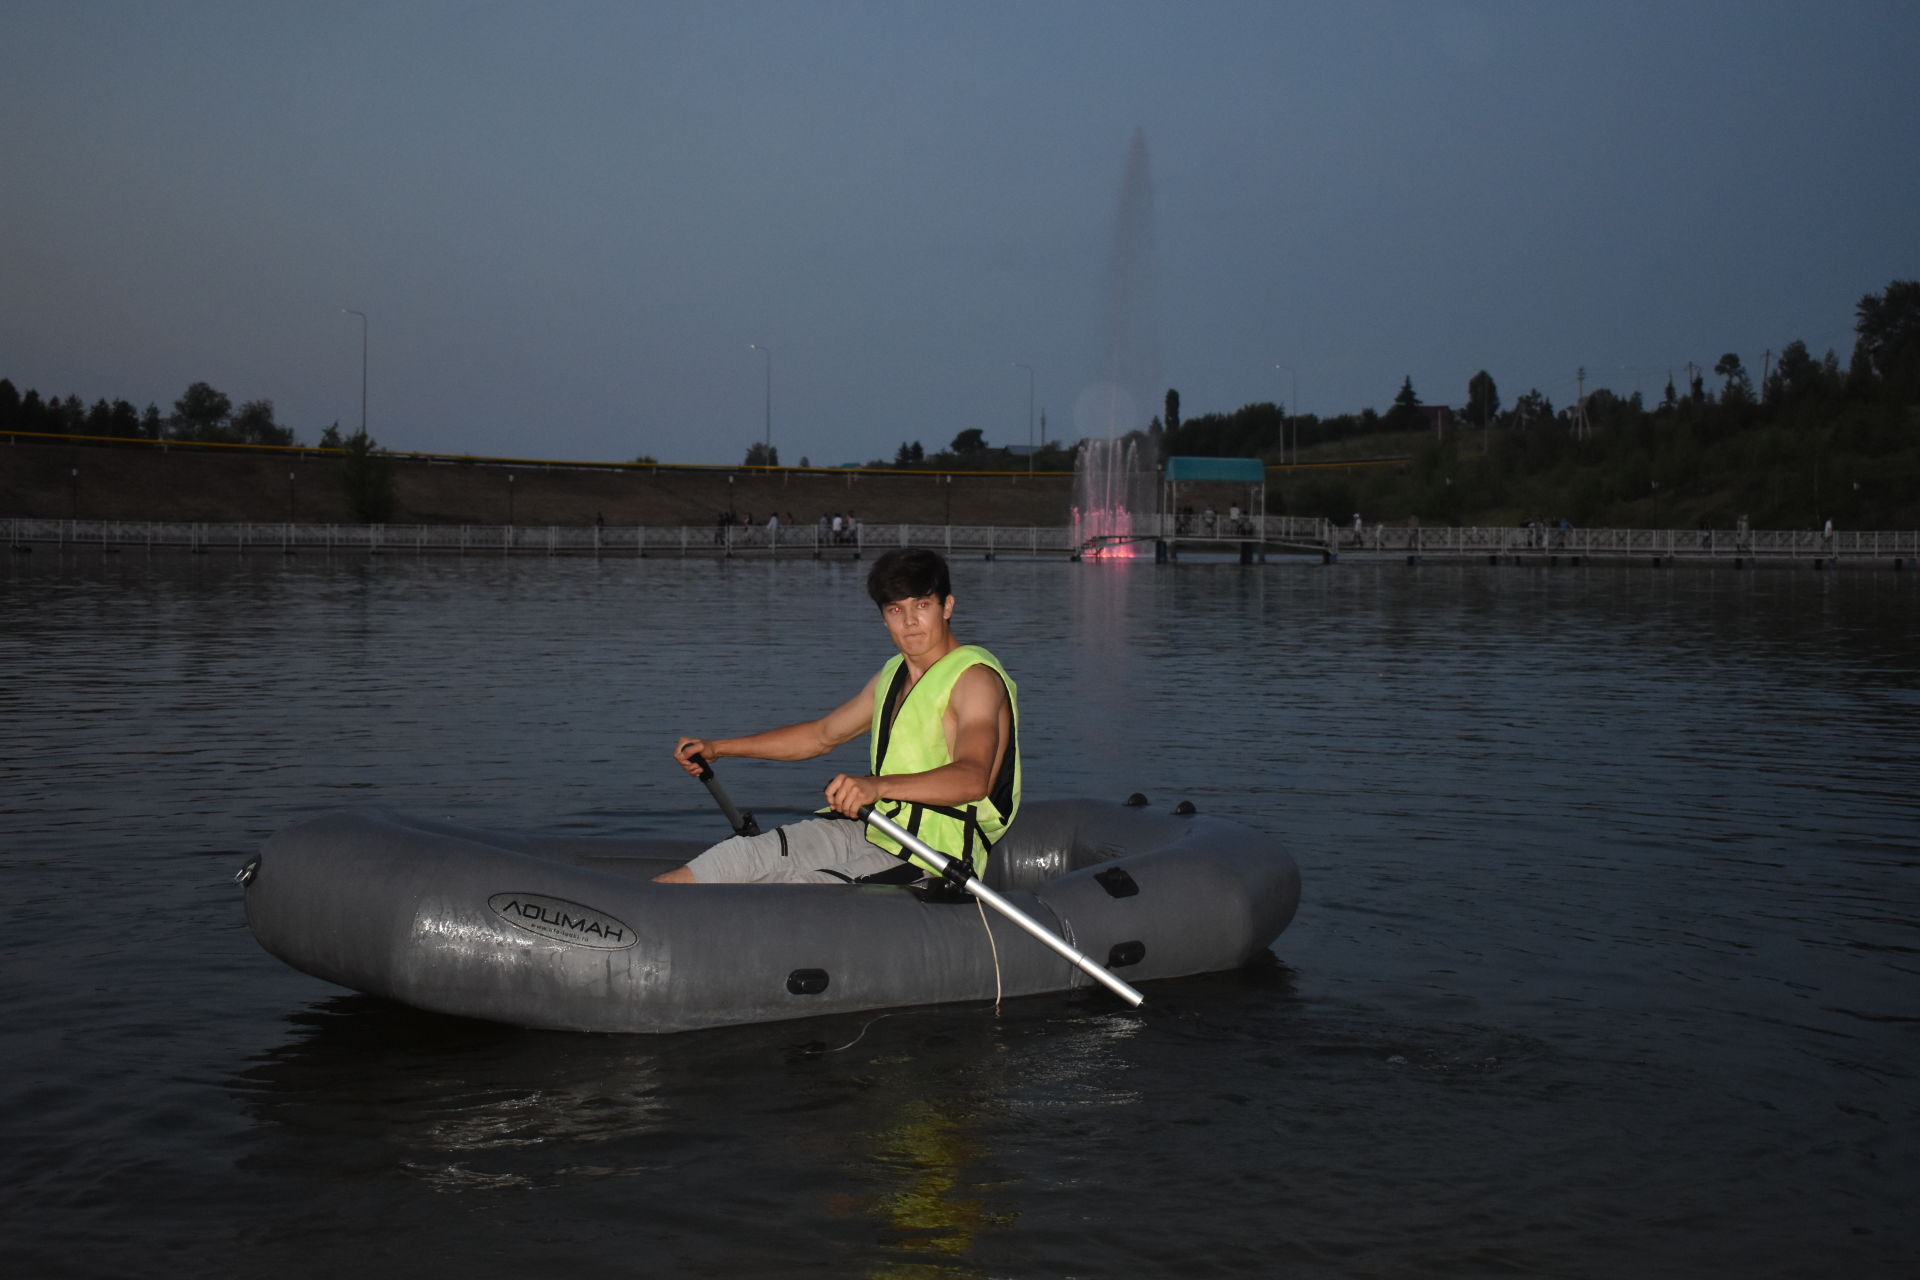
{"points": [[742, 823], [939, 861]]}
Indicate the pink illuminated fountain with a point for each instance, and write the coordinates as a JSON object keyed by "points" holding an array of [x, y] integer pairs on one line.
{"points": [[1114, 487], [1112, 499]]}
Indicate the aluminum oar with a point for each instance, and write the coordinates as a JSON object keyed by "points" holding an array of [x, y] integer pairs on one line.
{"points": [[934, 858]]}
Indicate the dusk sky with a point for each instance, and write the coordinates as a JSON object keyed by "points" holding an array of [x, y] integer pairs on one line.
{"points": [[567, 222]]}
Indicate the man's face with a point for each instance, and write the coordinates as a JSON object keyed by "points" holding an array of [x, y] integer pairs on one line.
{"points": [[918, 623]]}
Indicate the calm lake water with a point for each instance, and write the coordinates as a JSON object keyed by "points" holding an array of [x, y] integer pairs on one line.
{"points": [[1605, 966]]}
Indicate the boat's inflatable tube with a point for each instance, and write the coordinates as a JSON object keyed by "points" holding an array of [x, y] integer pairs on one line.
{"points": [[571, 933]]}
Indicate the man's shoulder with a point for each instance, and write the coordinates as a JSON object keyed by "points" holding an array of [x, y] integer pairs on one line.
{"points": [[974, 655], [982, 673]]}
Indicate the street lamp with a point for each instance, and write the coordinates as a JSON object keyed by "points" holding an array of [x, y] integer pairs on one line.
{"points": [[363, 365], [1292, 414], [768, 353], [1029, 369]]}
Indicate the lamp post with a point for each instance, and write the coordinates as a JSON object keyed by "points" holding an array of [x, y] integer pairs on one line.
{"points": [[1292, 414], [363, 365], [290, 507], [73, 493], [768, 353], [509, 499], [1029, 369]]}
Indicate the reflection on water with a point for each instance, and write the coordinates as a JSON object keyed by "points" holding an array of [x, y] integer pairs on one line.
{"points": [[1612, 883]]}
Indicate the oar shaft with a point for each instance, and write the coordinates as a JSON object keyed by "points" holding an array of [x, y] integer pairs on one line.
{"points": [[742, 826], [934, 858]]}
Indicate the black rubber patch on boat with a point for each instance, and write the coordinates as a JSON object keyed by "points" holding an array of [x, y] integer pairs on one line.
{"points": [[1117, 883], [562, 921], [807, 982], [1126, 953]]}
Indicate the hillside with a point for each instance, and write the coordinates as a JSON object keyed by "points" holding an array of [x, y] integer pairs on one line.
{"points": [[58, 480]]}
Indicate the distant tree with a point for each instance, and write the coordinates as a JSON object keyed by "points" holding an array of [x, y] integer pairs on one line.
{"points": [[1798, 377], [1532, 410], [253, 424], [1861, 383], [1483, 399], [366, 475], [1888, 328], [123, 421], [1405, 414], [1172, 418], [762, 454], [202, 414], [331, 438], [114, 420], [9, 405], [906, 455], [1739, 387], [152, 425], [971, 441], [646, 460], [1245, 433], [33, 414]]}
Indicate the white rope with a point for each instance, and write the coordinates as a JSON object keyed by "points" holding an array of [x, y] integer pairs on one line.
{"points": [[988, 926]]}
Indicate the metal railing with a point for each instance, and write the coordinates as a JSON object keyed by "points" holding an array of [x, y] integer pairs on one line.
{"points": [[1679, 544], [1044, 541]]}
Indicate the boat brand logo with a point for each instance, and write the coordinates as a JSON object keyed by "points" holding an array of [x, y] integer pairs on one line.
{"points": [[562, 921]]}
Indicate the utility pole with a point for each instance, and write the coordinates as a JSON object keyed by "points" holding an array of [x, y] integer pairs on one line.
{"points": [[768, 353], [363, 364], [1582, 429]]}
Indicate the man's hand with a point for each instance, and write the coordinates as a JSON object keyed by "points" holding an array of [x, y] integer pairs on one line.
{"points": [[848, 794], [688, 748]]}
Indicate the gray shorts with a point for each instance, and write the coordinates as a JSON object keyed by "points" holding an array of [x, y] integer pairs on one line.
{"points": [[806, 852]]}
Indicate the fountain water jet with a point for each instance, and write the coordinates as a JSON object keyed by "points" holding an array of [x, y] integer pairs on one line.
{"points": [[1113, 486]]}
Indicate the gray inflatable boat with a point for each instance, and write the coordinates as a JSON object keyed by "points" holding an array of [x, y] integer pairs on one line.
{"points": [[571, 933]]}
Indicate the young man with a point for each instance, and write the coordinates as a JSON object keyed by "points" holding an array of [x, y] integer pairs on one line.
{"points": [[944, 760]]}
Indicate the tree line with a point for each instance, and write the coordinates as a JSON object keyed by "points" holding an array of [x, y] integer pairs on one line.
{"points": [[1883, 373], [1810, 440], [201, 415]]}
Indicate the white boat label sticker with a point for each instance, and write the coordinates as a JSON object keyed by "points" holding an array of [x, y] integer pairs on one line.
{"points": [[562, 921]]}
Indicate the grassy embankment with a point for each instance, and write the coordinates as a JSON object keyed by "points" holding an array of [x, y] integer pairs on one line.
{"points": [[1861, 472], [55, 480], [1779, 479]]}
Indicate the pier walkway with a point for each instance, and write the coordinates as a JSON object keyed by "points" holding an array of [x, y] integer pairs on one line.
{"points": [[1292, 538]]}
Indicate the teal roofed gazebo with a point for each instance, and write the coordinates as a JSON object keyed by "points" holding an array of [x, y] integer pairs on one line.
{"points": [[1244, 476]]}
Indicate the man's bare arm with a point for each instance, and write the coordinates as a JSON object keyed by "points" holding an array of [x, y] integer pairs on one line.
{"points": [[803, 741]]}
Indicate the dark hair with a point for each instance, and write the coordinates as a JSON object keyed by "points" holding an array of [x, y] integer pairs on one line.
{"points": [[907, 573]]}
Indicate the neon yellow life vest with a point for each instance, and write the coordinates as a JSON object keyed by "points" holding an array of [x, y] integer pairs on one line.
{"points": [[913, 739]]}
